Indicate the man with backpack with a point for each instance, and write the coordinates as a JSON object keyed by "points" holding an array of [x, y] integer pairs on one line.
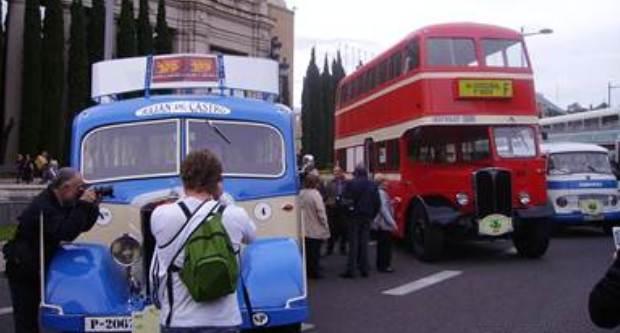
{"points": [[194, 270], [363, 203]]}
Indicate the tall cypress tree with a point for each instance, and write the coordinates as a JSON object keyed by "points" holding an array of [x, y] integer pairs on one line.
{"points": [[53, 79], [78, 74], [326, 110], [310, 108], [96, 31], [4, 129], [163, 40], [126, 41], [30, 122], [145, 31], [338, 74]]}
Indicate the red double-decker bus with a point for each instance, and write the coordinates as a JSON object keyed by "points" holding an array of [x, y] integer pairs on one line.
{"points": [[449, 115]]}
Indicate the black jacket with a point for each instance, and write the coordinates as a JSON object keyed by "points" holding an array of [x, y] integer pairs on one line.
{"points": [[61, 223], [364, 196], [604, 302]]}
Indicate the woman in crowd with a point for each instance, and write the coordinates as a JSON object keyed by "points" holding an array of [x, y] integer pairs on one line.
{"points": [[315, 223], [384, 225]]}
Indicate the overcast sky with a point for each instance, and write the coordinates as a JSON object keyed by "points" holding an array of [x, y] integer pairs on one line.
{"points": [[574, 64]]}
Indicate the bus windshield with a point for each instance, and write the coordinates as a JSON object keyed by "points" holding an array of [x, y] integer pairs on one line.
{"points": [[131, 151], [245, 149], [451, 52], [578, 162], [504, 53], [515, 141]]}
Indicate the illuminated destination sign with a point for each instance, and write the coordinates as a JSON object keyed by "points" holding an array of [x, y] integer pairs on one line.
{"points": [[182, 107], [185, 68], [476, 88]]}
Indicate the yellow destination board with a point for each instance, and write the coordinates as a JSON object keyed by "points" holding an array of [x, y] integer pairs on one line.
{"points": [[476, 88]]}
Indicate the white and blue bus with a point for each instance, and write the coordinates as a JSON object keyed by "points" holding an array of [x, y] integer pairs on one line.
{"points": [[581, 185], [135, 146]]}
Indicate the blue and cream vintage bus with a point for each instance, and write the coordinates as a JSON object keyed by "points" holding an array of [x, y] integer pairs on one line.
{"points": [[135, 145], [581, 185]]}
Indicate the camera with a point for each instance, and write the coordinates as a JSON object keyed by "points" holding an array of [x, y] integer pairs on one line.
{"points": [[104, 191]]}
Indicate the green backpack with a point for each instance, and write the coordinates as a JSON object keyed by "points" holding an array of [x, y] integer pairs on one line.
{"points": [[210, 269]]}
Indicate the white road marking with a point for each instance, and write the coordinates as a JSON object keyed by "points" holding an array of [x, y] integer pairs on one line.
{"points": [[422, 283], [307, 327], [6, 311]]}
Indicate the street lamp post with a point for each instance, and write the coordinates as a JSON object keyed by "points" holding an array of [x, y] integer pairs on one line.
{"points": [[545, 31], [610, 87], [109, 29]]}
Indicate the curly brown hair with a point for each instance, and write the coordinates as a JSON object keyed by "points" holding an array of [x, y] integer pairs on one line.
{"points": [[201, 171]]}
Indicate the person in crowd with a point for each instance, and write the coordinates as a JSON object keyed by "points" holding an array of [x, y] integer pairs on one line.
{"points": [[201, 175], [384, 225], [68, 210], [50, 172], [336, 213], [28, 170], [362, 197], [604, 302], [40, 162], [20, 162], [316, 227]]}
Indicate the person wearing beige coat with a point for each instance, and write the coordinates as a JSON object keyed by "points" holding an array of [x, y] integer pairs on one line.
{"points": [[316, 228]]}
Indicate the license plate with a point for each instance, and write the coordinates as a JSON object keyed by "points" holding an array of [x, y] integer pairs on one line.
{"points": [[495, 225], [472, 88], [107, 324]]}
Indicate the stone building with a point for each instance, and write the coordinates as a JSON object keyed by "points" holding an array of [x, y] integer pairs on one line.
{"points": [[240, 27]]}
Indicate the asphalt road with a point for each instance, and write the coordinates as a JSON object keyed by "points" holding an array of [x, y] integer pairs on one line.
{"points": [[487, 288]]}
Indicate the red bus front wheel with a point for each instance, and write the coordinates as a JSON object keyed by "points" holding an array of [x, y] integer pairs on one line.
{"points": [[425, 239]]}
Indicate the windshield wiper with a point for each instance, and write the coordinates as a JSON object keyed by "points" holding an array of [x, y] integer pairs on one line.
{"points": [[218, 131]]}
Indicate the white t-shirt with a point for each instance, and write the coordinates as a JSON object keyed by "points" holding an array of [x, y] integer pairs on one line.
{"points": [[166, 222]]}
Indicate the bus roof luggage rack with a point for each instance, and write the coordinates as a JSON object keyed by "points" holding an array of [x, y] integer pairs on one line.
{"points": [[236, 75]]}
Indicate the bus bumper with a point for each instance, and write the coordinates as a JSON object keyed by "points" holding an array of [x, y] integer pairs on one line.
{"points": [[83, 281], [578, 218]]}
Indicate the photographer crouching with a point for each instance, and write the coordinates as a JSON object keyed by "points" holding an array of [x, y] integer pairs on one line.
{"points": [[68, 209]]}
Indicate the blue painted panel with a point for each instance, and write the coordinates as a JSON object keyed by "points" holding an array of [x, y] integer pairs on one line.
{"points": [[581, 184], [579, 218], [84, 279]]}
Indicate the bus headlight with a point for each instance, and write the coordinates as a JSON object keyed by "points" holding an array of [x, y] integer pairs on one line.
{"points": [[126, 250], [462, 199], [561, 202], [524, 198]]}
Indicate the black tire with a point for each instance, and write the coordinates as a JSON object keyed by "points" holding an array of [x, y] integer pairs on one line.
{"points": [[295, 328], [531, 238], [608, 229], [425, 239]]}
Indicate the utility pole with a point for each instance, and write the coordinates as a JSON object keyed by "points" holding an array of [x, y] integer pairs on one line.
{"points": [[109, 29], [610, 87]]}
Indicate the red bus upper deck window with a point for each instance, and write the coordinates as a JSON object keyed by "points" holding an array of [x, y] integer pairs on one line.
{"points": [[451, 52], [504, 53]]}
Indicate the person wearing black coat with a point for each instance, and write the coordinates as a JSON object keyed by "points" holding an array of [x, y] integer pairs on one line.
{"points": [[362, 197], [68, 210], [604, 303]]}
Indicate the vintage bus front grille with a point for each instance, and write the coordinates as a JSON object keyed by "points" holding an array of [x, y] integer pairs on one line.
{"points": [[493, 192]]}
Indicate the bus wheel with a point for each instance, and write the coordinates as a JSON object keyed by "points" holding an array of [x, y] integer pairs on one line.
{"points": [[426, 240], [608, 229], [294, 328], [531, 239]]}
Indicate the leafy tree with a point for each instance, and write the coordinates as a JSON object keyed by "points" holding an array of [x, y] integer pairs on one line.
{"points": [[4, 129], [145, 31], [310, 107], [79, 68], [30, 122], [163, 40], [96, 31], [126, 42], [326, 119], [53, 79]]}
